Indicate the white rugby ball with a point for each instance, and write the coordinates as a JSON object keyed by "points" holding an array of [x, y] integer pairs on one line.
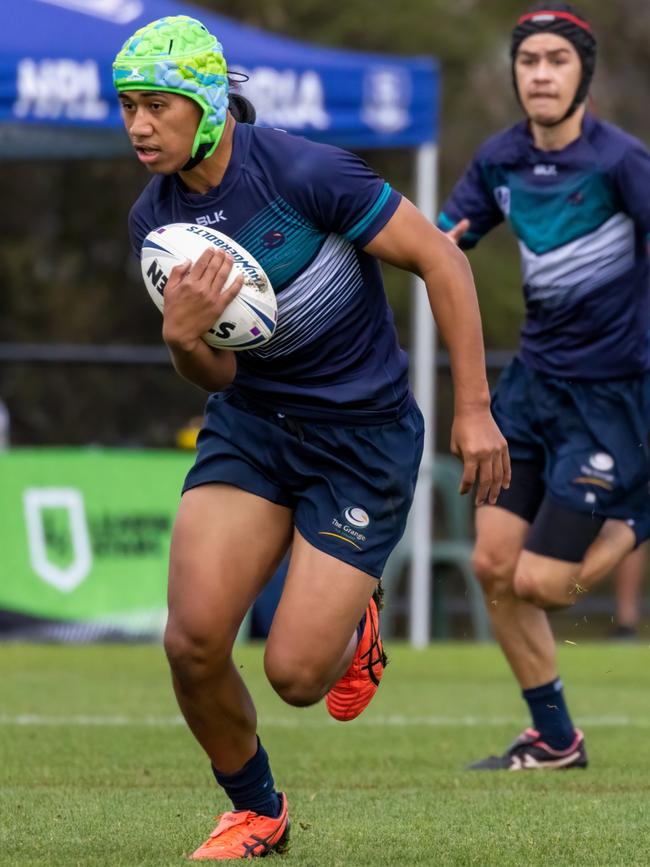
{"points": [[250, 318]]}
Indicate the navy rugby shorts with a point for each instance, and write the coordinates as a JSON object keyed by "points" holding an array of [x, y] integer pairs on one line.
{"points": [[350, 487], [590, 438]]}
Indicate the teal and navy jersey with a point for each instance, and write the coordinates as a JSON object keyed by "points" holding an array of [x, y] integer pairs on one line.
{"points": [[304, 211], [582, 219]]}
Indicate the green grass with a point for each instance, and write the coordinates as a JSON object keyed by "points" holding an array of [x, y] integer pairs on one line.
{"points": [[96, 769]]}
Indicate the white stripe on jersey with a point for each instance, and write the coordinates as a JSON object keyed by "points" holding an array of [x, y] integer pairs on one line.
{"points": [[310, 304], [584, 264]]}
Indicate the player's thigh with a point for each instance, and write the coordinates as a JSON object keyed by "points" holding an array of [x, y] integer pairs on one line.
{"points": [[322, 603], [226, 544], [610, 547], [354, 487], [502, 529]]}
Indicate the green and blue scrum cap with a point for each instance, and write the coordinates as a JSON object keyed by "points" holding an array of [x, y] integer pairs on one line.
{"points": [[177, 54]]}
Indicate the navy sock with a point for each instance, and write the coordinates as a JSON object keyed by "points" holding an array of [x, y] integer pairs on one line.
{"points": [[550, 714], [252, 787]]}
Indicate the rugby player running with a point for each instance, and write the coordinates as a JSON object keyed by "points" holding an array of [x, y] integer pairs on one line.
{"points": [[311, 441], [572, 403]]}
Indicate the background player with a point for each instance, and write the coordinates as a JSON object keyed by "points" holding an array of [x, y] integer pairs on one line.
{"points": [[571, 404], [303, 437]]}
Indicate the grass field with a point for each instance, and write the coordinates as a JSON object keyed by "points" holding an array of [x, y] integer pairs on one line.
{"points": [[97, 769]]}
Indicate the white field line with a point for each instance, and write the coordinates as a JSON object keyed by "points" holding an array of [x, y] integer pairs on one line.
{"points": [[392, 721]]}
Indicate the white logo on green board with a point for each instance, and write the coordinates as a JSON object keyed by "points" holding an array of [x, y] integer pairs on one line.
{"points": [[38, 502]]}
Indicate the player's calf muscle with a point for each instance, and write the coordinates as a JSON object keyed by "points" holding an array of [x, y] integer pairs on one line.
{"points": [[553, 583], [545, 594], [546, 582]]}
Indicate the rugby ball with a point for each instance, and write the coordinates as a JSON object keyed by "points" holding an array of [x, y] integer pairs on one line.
{"points": [[250, 318]]}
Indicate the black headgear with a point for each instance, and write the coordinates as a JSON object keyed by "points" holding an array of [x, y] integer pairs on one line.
{"points": [[564, 20]]}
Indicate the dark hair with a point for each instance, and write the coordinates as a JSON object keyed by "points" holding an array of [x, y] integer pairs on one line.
{"points": [[242, 109]]}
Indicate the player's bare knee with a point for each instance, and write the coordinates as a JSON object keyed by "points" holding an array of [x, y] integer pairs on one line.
{"points": [[298, 693], [296, 682], [193, 657], [494, 571]]}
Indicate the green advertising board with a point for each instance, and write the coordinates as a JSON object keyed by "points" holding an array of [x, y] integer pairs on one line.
{"points": [[85, 533]]}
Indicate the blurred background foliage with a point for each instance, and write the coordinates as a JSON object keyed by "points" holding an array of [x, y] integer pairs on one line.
{"points": [[70, 277]]}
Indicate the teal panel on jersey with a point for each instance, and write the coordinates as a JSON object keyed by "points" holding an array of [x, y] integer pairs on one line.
{"points": [[281, 240], [550, 216], [365, 221]]}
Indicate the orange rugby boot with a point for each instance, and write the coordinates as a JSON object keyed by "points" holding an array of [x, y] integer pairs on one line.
{"points": [[243, 834], [352, 693]]}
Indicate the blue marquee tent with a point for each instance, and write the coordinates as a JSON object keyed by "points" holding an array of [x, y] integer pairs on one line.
{"points": [[57, 100], [55, 72]]}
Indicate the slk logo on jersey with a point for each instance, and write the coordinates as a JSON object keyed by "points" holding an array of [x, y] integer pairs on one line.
{"points": [[211, 219], [502, 198], [545, 169]]}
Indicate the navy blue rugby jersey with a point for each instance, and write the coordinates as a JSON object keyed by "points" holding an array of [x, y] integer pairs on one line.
{"points": [[304, 211], [582, 219]]}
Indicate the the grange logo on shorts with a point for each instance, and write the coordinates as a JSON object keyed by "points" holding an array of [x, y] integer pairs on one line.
{"points": [[348, 525], [356, 516], [601, 461], [598, 472]]}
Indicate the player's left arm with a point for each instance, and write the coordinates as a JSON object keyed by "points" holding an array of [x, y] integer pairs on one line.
{"points": [[410, 241], [632, 179]]}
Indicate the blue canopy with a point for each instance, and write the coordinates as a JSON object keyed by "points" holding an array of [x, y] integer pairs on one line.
{"points": [[55, 73]]}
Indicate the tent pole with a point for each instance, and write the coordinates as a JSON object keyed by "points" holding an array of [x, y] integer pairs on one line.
{"points": [[423, 357]]}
